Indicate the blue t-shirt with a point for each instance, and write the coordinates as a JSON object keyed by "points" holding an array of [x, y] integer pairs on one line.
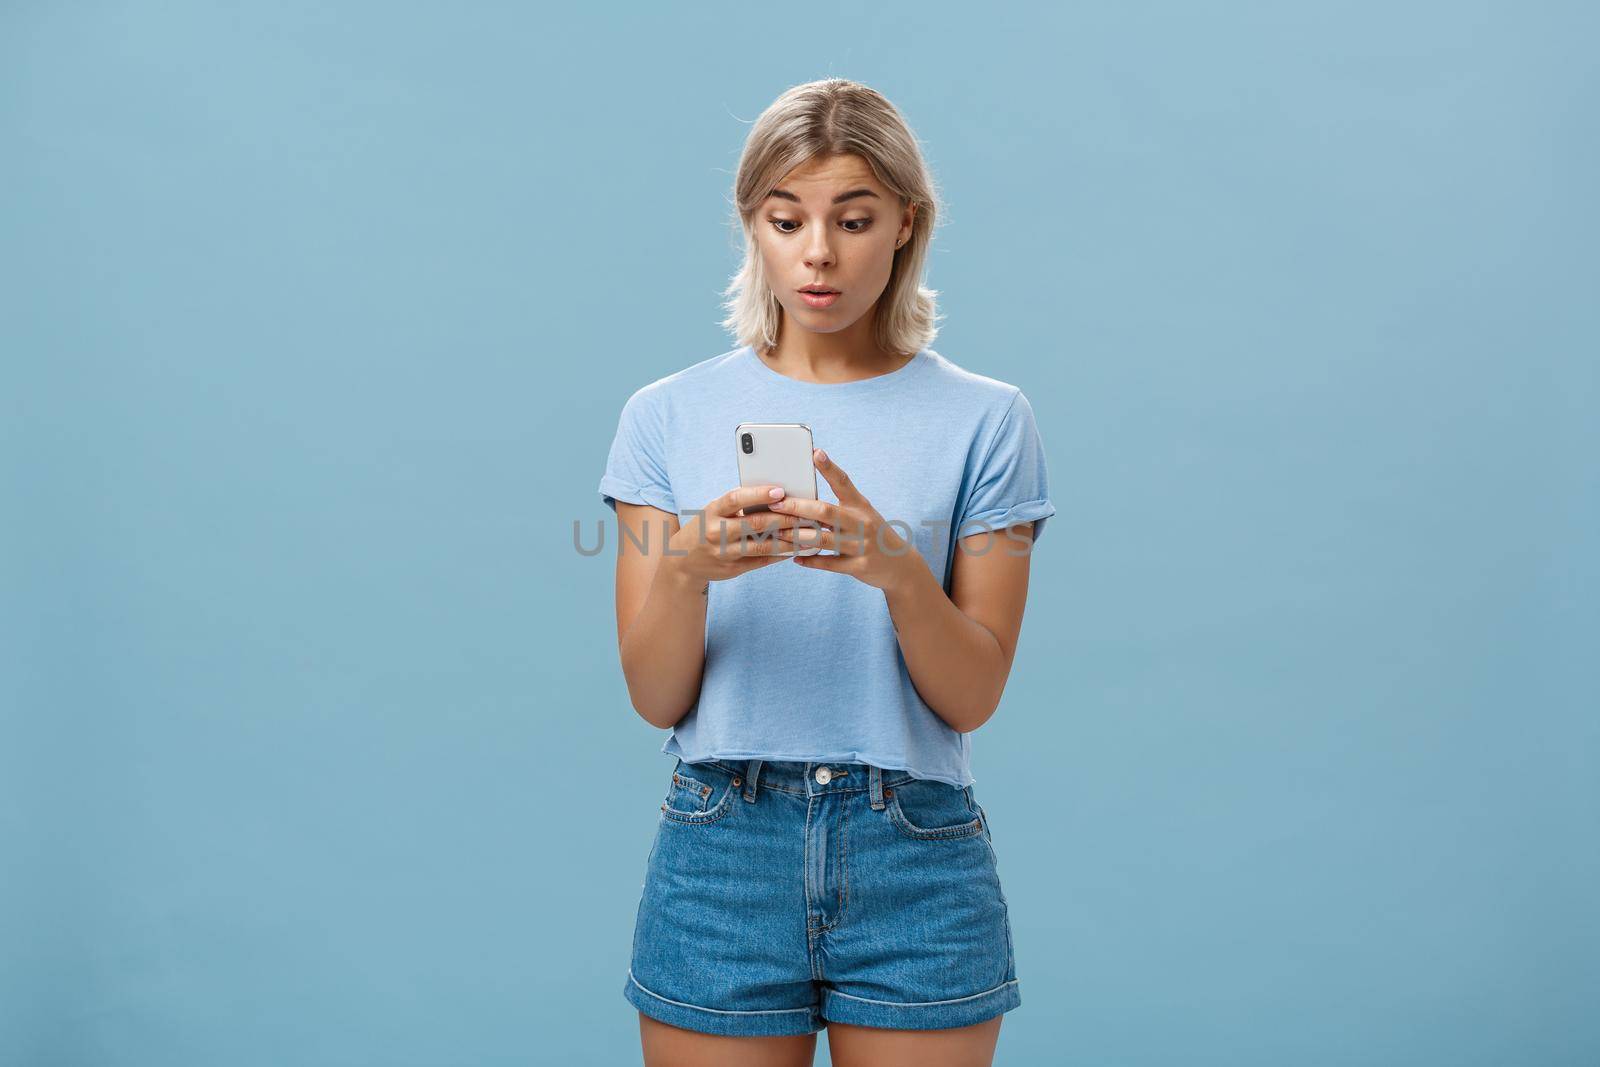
{"points": [[804, 664]]}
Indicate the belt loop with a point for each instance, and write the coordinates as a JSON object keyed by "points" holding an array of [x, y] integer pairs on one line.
{"points": [[876, 787], [752, 772]]}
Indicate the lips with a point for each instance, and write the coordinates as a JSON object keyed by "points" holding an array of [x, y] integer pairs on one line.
{"points": [[818, 300], [821, 290]]}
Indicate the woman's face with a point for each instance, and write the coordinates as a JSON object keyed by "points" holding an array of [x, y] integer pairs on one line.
{"points": [[830, 223]]}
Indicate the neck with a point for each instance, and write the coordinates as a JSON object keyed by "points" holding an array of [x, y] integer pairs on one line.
{"points": [[830, 358]]}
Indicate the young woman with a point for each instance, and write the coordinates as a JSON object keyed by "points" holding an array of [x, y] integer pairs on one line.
{"points": [[820, 857]]}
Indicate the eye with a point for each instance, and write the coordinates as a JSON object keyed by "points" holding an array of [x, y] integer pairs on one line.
{"points": [[860, 225]]}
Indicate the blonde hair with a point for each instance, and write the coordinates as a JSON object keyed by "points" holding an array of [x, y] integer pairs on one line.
{"points": [[824, 118]]}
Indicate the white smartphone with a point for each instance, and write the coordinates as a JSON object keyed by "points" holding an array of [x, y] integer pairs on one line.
{"points": [[777, 453]]}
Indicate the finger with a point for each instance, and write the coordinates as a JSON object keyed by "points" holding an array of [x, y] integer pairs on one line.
{"points": [[723, 530], [820, 510], [809, 538], [848, 542], [731, 528], [843, 487], [769, 520], [764, 546], [755, 530], [728, 504]]}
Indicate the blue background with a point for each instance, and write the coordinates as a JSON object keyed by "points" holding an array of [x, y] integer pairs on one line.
{"points": [[316, 321]]}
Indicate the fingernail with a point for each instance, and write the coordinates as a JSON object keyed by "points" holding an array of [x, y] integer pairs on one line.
{"points": [[822, 457], [776, 492]]}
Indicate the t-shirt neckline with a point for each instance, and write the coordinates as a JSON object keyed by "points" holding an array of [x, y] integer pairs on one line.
{"points": [[759, 368]]}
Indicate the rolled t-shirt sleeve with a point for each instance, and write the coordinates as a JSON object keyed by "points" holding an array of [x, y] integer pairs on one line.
{"points": [[636, 468], [1011, 485]]}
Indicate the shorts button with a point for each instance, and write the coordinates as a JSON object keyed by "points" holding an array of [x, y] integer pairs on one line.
{"points": [[823, 775]]}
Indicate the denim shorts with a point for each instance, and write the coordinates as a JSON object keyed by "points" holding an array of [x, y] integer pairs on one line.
{"points": [[780, 895]]}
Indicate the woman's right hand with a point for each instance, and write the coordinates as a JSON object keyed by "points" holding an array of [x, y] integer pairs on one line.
{"points": [[725, 543]]}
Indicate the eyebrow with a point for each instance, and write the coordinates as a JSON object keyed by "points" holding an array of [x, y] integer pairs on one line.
{"points": [[785, 194]]}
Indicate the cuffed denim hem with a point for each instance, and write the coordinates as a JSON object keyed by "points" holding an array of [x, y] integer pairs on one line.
{"points": [[779, 1022], [840, 1007]]}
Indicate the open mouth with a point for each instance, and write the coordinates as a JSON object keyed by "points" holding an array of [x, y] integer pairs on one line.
{"points": [[819, 300]]}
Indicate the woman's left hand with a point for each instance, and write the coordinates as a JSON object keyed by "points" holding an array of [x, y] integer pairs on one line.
{"points": [[869, 548]]}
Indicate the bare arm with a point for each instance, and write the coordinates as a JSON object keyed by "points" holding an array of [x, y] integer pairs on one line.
{"points": [[959, 648], [661, 617], [662, 586]]}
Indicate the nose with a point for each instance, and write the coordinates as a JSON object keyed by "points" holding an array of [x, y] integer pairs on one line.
{"points": [[819, 253]]}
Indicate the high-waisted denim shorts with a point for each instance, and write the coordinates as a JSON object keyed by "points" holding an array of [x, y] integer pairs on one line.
{"points": [[778, 895]]}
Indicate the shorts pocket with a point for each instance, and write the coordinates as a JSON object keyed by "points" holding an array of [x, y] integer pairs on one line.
{"points": [[703, 796], [930, 810]]}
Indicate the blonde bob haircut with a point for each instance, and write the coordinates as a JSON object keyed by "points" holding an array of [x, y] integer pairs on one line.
{"points": [[825, 118]]}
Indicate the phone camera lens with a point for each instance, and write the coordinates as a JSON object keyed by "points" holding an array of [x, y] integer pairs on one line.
{"points": [[746, 441]]}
